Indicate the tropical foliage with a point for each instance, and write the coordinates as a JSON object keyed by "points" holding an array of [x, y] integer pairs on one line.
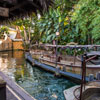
{"points": [[76, 20], [3, 29], [57, 19], [87, 19]]}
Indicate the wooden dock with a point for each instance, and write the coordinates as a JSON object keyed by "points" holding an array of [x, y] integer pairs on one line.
{"points": [[14, 91], [11, 95]]}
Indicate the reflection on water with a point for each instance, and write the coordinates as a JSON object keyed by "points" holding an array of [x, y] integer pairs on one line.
{"points": [[39, 83], [9, 62]]}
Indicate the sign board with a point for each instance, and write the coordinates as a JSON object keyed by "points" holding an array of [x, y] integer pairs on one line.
{"points": [[4, 12]]}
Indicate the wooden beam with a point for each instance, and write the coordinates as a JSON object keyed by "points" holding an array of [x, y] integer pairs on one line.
{"points": [[9, 1], [39, 8], [32, 3], [17, 6], [4, 12], [35, 5], [23, 10], [12, 14]]}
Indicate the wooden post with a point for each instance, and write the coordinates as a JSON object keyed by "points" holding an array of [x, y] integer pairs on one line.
{"points": [[2, 89], [83, 75], [56, 53], [74, 55]]}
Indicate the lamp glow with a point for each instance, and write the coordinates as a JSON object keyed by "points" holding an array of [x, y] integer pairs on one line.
{"points": [[57, 33]]}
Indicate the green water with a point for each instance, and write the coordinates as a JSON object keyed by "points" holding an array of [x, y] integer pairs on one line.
{"points": [[37, 82]]}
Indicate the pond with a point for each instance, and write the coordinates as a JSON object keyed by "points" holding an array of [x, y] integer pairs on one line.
{"points": [[40, 84]]}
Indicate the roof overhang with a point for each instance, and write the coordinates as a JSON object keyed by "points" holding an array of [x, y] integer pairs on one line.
{"points": [[10, 9]]}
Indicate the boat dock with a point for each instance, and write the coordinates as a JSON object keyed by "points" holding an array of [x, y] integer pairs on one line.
{"points": [[75, 77], [69, 93], [91, 92], [12, 91]]}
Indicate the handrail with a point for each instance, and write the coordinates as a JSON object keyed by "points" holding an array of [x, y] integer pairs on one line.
{"points": [[90, 58], [66, 46]]}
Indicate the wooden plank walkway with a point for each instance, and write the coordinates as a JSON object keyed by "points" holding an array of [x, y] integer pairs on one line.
{"points": [[16, 89], [10, 95]]}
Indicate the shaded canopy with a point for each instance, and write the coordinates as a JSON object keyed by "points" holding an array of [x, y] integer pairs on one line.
{"points": [[10, 9]]}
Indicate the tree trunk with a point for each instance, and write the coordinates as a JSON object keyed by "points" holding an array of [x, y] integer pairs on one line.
{"points": [[29, 30], [25, 36]]}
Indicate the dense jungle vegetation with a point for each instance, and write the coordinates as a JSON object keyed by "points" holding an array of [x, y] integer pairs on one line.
{"points": [[76, 20]]}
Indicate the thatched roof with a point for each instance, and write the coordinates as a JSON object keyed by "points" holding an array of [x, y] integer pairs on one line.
{"points": [[10, 9]]}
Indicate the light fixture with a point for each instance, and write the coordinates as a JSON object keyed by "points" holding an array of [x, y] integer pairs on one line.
{"points": [[57, 33]]}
